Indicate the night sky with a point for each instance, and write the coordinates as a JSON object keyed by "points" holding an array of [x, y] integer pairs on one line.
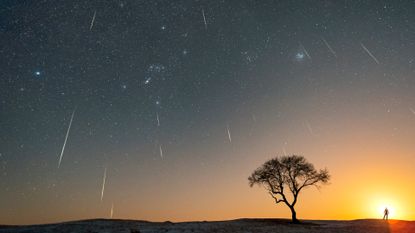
{"points": [[160, 110]]}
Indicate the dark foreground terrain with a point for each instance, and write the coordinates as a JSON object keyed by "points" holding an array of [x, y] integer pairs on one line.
{"points": [[232, 226]]}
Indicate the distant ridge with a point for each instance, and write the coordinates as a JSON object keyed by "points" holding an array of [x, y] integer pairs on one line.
{"points": [[257, 225]]}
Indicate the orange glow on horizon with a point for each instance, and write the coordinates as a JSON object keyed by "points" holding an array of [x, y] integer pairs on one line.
{"points": [[370, 169]]}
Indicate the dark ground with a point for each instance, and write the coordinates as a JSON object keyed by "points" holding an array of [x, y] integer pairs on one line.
{"points": [[239, 225]]}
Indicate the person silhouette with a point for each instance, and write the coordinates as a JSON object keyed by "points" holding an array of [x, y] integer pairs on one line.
{"points": [[386, 213]]}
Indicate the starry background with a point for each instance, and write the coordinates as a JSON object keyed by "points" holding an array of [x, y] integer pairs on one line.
{"points": [[179, 101]]}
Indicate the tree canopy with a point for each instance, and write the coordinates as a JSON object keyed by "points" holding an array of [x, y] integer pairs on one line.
{"points": [[286, 175]]}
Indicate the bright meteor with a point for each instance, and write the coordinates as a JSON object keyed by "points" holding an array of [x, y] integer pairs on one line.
{"points": [[66, 138], [103, 183]]}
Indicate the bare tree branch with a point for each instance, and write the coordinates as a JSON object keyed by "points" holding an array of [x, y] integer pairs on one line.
{"points": [[293, 171], [276, 199]]}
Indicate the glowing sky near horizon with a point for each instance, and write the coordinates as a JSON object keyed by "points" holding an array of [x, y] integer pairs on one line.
{"points": [[177, 102]]}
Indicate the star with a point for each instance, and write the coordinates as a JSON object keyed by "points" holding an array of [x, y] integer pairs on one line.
{"points": [[299, 56], [37, 73], [147, 81]]}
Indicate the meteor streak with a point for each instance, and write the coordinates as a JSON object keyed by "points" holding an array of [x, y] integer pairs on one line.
{"points": [[161, 152], [305, 51], [309, 128], [229, 133], [103, 183], [370, 54], [66, 138], [92, 21], [112, 210], [204, 19], [329, 47]]}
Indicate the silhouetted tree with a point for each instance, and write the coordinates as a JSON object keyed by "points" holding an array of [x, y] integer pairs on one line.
{"points": [[288, 175]]}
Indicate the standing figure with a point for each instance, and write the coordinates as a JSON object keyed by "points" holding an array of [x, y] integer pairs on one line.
{"points": [[386, 213]]}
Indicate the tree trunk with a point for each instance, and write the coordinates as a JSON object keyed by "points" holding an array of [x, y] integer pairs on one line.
{"points": [[294, 215]]}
